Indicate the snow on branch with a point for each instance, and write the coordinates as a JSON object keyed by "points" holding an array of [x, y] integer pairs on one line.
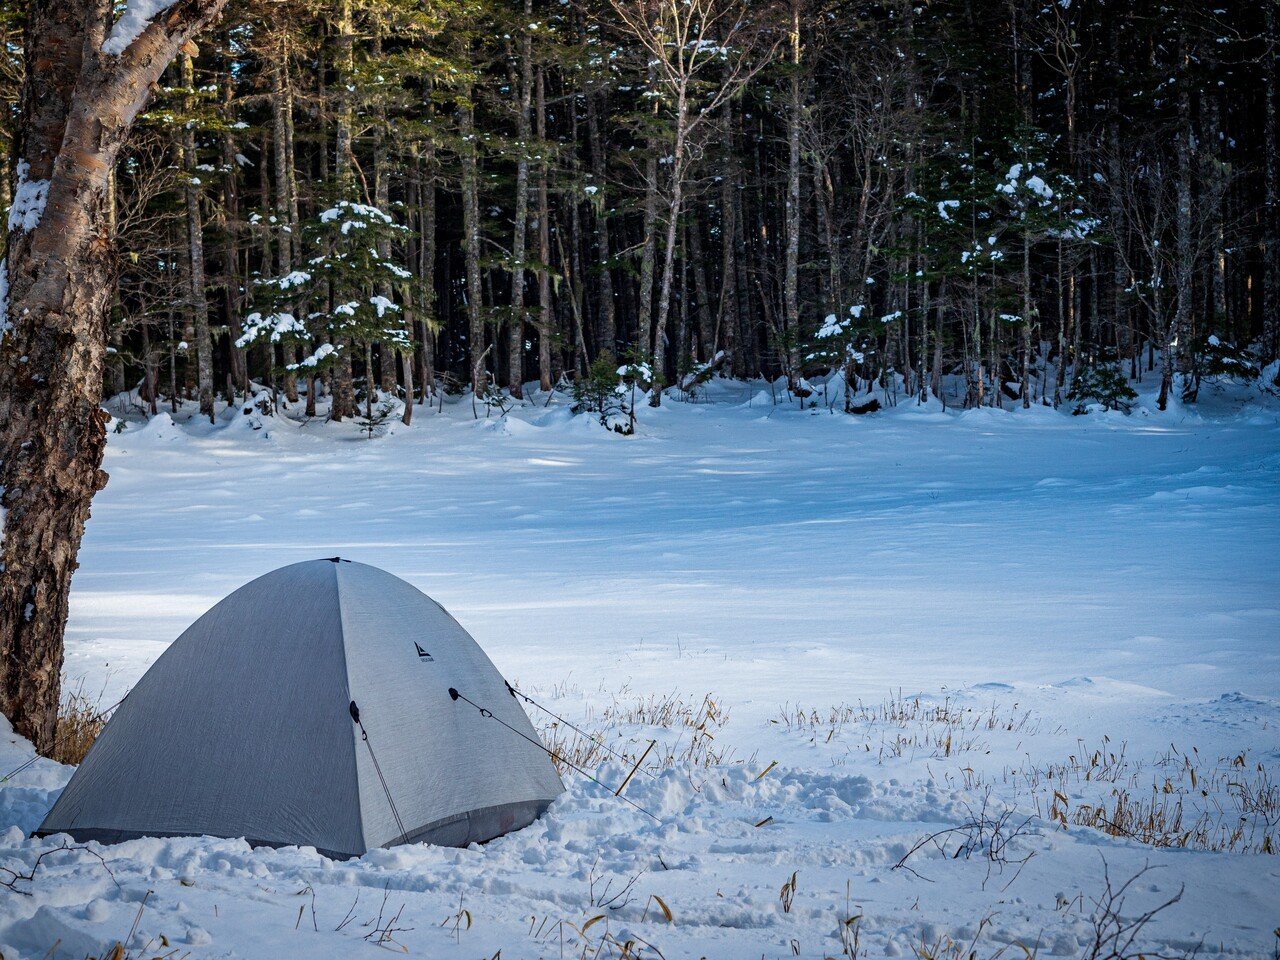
{"points": [[137, 16]]}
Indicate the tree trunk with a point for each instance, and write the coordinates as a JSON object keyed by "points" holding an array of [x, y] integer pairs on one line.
{"points": [[406, 359], [1185, 253], [648, 255], [607, 338], [343, 402], [228, 220], [791, 280], [387, 381], [702, 291], [427, 273], [668, 264], [199, 301], [1026, 321], [471, 241], [1065, 314], [78, 106], [547, 317], [515, 330], [1271, 208], [727, 315]]}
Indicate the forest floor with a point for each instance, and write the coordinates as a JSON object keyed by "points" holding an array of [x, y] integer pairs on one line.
{"points": [[1052, 641]]}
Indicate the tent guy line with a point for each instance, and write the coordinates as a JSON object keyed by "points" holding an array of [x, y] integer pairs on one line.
{"points": [[488, 715], [364, 735], [100, 715], [521, 695]]}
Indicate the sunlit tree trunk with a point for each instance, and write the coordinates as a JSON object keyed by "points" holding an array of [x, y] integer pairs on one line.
{"points": [[78, 106]]}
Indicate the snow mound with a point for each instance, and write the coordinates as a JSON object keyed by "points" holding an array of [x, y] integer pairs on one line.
{"points": [[1108, 688], [160, 427]]}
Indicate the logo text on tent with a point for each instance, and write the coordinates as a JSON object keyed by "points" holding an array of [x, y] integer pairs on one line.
{"points": [[422, 654]]}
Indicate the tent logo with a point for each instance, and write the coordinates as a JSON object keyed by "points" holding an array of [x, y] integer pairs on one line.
{"points": [[422, 654]]}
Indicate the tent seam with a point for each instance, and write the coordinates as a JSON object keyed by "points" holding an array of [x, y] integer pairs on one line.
{"points": [[346, 682]]}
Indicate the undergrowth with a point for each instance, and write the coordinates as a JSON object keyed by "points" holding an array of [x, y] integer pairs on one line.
{"points": [[1179, 799]]}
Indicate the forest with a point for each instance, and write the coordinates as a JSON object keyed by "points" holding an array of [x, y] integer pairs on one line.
{"points": [[992, 202]]}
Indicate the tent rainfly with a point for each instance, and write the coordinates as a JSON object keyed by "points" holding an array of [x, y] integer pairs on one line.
{"points": [[313, 707]]}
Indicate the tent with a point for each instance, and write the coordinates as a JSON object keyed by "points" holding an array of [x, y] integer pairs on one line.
{"points": [[327, 704]]}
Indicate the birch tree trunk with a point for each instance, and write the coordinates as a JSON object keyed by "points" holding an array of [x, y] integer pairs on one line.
{"points": [[675, 204], [78, 106]]}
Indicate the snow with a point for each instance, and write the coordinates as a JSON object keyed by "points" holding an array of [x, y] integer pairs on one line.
{"points": [[831, 327], [29, 198], [354, 216], [1102, 585], [4, 297], [294, 278], [315, 359], [135, 18], [273, 326]]}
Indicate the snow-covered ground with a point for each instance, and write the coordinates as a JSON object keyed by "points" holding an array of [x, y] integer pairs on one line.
{"points": [[914, 620]]}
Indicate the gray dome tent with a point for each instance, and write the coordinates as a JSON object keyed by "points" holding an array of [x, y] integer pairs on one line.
{"points": [[313, 707]]}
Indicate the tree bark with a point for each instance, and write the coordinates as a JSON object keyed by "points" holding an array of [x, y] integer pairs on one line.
{"points": [[198, 302], [471, 241], [427, 274], [648, 255], [344, 401], [78, 106], [702, 291], [1027, 307], [727, 315], [791, 280], [281, 109], [547, 316], [607, 336], [1185, 254], [515, 329], [1271, 209]]}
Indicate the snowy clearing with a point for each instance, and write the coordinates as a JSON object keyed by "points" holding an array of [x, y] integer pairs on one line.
{"points": [[907, 623]]}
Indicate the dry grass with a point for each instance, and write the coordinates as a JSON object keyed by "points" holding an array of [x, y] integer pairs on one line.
{"points": [[80, 720], [1227, 804], [901, 726], [696, 725]]}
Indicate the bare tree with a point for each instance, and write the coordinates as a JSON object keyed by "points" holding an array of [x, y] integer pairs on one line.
{"points": [[702, 53]]}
